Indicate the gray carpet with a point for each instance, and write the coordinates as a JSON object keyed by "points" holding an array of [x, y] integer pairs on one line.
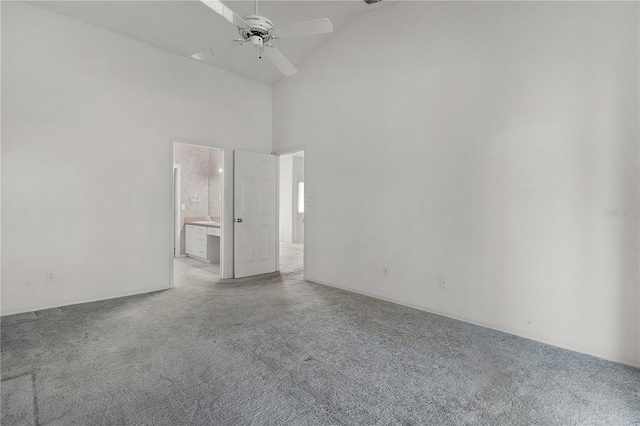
{"points": [[281, 351]]}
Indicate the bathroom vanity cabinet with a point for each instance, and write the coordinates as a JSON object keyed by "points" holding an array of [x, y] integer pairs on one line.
{"points": [[203, 242], [196, 241]]}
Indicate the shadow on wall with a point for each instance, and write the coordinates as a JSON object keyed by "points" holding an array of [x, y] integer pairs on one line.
{"points": [[200, 188]]}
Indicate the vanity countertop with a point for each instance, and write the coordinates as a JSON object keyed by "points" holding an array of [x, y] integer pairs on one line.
{"points": [[198, 221]]}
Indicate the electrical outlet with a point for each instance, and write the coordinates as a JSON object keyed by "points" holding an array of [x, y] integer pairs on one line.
{"points": [[51, 276], [442, 283], [385, 272]]}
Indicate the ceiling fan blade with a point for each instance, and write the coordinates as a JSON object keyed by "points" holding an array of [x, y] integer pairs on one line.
{"points": [[204, 55], [209, 53], [301, 29], [280, 61], [228, 14]]}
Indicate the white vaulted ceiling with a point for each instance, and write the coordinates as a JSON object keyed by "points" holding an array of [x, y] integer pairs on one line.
{"points": [[187, 27]]}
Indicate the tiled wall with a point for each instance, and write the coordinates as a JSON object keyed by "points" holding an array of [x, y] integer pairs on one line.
{"points": [[200, 179], [215, 183]]}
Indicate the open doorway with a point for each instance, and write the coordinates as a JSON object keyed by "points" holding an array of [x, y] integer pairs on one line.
{"points": [[291, 212], [198, 213]]}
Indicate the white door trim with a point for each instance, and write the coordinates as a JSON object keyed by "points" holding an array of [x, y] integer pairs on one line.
{"points": [[285, 151], [177, 208], [277, 213], [279, 153], [295, 209]]}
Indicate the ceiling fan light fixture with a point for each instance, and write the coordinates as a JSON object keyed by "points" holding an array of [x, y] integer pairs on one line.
{"points": [[371, 1], [256, 41]]}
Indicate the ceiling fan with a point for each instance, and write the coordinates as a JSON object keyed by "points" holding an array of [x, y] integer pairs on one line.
{"points": [[260, 31]]}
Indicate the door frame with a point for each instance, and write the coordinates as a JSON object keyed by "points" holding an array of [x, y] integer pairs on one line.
{"points": [[226, 224], [177, 207], [297, 200], [279, 153]]}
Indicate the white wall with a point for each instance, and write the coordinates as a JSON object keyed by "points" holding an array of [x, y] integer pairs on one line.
{"points": [[87, 117], [481, 142]]}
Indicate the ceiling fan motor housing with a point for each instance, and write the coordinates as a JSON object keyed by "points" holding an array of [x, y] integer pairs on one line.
{"points": [[259, 27]]}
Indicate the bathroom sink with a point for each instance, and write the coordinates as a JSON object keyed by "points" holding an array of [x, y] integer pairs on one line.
{"points": [[204, 222]]}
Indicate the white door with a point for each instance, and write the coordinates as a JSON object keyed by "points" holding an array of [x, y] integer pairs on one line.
{"points": [[255, 213]]}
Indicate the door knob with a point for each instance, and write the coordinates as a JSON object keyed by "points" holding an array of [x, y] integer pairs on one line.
{"points": [[238, 220]]}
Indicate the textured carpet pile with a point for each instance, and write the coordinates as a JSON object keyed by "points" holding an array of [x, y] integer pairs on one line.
{"points": [[281, 351]]}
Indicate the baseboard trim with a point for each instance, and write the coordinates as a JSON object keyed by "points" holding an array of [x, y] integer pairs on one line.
{"points": [[598, 353], [33, 308]]}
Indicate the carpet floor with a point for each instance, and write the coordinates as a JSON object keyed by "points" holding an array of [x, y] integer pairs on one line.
{"points": [[278, 350]]}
